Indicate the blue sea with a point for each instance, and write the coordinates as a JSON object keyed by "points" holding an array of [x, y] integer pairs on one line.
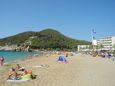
{"points": [[12, 56]]}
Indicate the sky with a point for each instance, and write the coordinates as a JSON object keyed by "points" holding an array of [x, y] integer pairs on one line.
{"points": [[73, 18]]}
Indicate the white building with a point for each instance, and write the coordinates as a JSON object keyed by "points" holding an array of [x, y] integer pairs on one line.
{"points": [[94, 42], [106, 43], [82, 48]]}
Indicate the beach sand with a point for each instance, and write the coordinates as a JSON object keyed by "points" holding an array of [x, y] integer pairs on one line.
{"points": [[81, 70]]}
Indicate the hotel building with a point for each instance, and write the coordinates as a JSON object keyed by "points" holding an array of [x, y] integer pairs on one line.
{"points": [[106, 43]]}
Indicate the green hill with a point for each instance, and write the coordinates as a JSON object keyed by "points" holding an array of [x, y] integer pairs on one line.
{"points": [[46, 39]]}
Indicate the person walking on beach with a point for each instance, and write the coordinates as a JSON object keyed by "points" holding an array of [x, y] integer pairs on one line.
{"points": [[1, 61]]}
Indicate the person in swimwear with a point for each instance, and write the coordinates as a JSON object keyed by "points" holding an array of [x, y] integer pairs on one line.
{"points": [[12, 75], [19, 68], [1, 61]]}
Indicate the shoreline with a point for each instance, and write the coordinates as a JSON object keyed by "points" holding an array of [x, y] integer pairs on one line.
{"points": [[13, 56]]}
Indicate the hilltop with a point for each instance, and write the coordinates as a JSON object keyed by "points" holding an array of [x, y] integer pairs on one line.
{"points": [[45, 39]]}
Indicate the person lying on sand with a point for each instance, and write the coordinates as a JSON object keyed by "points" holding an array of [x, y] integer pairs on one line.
{"points": [[28, 73], [23, 71], [20, 73], [19, 68]]}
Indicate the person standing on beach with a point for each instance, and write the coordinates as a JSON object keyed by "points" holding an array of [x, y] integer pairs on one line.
{"points": [[66, 54], [1, 61]]}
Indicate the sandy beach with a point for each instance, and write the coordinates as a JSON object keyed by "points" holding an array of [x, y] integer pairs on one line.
{"points": [[81, 70]]}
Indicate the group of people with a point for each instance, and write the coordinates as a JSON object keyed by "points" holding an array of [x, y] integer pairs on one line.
{"points": [[19, 73]]}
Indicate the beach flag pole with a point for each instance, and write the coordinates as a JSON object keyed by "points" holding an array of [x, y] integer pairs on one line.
{"points": [[93, 38]]}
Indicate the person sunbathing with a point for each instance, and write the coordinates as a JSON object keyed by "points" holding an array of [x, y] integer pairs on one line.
{"points": [[22, 71], [26, 71], [19, 68], [12, 75], [27, 74]]}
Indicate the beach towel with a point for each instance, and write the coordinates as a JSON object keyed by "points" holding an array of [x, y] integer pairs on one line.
{"points": [[21, 80]]}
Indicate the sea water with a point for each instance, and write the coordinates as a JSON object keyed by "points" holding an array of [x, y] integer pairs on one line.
{"points": [[12, 56]]}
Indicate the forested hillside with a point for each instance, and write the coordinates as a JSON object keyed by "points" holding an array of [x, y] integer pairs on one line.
{"points": [[46, 39]]}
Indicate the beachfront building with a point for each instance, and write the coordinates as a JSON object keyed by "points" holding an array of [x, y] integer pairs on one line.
{"points": [[106, 43], [84, 48]]}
